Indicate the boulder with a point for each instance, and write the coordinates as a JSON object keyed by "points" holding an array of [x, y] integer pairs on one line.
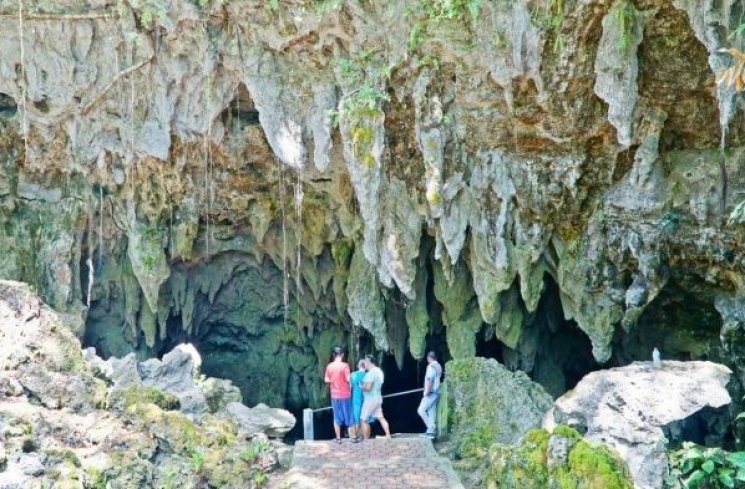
{"points": [[219, 393], [491, 404], [275, 423], [629, 408], [175, 374]]}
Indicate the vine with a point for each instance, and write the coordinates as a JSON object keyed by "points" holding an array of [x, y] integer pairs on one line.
{"points": [[24, 94]]}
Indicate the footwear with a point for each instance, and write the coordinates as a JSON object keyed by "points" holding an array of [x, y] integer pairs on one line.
{"points": [[337, 441], [356, 440]]}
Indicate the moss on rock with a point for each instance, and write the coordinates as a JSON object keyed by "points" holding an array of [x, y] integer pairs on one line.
{"points": [[558, 460], [487, 404]]}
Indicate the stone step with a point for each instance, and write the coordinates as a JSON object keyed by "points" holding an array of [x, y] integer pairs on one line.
{"points": [[404, 462]]}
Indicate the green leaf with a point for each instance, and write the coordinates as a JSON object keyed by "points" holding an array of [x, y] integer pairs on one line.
{"points": [[740, 477], [695, 479], [737, 459], [726, 480], [708, 466]]}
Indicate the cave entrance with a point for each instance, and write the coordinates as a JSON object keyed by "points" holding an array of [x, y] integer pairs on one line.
{"points": [[8, 106]]}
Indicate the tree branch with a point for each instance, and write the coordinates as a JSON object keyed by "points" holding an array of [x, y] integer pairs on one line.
{"points": [[87, 107]]}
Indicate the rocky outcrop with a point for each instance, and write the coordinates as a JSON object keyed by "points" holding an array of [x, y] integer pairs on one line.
{"points": [[629, 408], [63, 426], [271, 176], [488, 404], [275, 423], [561, 459]]}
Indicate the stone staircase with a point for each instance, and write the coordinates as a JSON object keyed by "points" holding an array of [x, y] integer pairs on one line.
{"points": [[404, 462]]}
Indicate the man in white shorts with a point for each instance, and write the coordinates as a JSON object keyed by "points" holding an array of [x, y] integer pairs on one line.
{"points": [[372, 404]]}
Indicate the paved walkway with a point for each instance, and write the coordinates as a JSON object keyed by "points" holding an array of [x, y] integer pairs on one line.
{"points": [[400, 463]]}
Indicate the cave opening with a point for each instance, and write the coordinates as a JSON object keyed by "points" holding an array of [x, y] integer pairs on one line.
{"points": [[8, 106]]}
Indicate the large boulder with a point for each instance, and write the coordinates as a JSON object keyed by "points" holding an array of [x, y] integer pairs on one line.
{"points": [[275, 423], [175, 373], [489, 404], [40, 356], [562, 459], [630, 407]]}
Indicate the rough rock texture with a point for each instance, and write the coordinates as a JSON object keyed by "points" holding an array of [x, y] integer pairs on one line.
{"points": [[487, 404], [264, 179], [561, 460], [62, 427], [629, 407], [261, 419]]}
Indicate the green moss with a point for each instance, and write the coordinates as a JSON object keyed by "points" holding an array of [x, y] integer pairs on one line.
{"points": [[567, 432], [525, 465], [341, 251], [593, 466], [144, 395]]}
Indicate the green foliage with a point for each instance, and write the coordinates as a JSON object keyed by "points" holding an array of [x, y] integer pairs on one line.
{"points": [[551, 19], [695, 467], [361, 76], [341, 251], [139, 395], [451, 9], [151, 11], [197, 460], [625, 16]]}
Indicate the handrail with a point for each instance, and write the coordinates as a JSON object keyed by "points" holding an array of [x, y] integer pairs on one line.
{"points": [[395, 394], [308, 413]]}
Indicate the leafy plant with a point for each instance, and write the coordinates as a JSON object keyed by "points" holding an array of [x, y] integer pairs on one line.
{"points": [[551, 19], [695, 467], [451, 9], [150, 11]]}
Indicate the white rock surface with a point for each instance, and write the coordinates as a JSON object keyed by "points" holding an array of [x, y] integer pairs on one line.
{"points": [[261, 419], [628, 407]]}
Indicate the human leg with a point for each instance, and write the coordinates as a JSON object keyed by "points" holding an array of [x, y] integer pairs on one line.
{"points": [[428, 411]]}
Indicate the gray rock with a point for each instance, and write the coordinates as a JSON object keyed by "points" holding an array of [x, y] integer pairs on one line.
{"points": [[490, 404], [219, 392], [628, 407], [123, 371], [175, 374], [275, 423]]}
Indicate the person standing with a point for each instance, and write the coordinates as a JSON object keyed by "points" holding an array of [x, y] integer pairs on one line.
{"points": [[357, 395], [372, 403], [337, 376], [431, 394]]}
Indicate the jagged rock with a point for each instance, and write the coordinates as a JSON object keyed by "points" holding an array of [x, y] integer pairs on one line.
{"points": [[490, 404], [219, 393], [554, 460], [55, 436], [175, 374], [628, 408], [275, 423]]}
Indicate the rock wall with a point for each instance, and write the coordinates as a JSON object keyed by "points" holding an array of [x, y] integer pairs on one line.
{"points": [[269, 178]]}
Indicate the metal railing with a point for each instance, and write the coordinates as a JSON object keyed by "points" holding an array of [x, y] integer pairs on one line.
{"points": [[308, 420]]}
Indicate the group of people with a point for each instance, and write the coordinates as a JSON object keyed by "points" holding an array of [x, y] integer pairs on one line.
{"points": [[357, 399]]}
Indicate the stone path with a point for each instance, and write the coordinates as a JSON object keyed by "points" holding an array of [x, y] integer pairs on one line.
{"points": [[400, 463]]}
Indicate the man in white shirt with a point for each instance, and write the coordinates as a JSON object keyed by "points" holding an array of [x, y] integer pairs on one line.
{"points": [[428, 407]]}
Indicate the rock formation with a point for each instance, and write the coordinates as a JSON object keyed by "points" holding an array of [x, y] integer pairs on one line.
{"points": [[265, 179], [630, 407], [488, 404], [75, 421]]}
